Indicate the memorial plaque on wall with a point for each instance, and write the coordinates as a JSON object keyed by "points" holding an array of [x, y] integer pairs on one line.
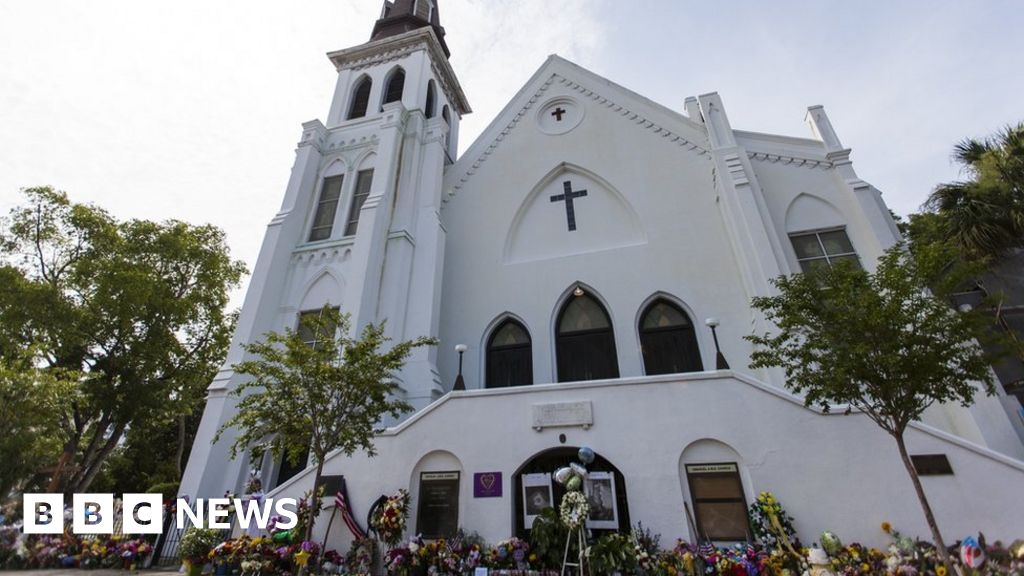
{"points": [[437, 515]]}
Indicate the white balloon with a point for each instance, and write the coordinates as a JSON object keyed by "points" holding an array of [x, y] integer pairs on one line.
{"points": [[562, 475]]}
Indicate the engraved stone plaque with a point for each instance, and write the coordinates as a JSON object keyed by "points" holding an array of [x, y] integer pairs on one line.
{"points": [[563, 414]]}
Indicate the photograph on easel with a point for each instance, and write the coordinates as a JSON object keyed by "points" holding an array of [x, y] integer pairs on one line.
{"points": [[600, 490]]}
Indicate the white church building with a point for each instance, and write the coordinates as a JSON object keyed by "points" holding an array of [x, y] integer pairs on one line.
{"points": [[579, 253]]}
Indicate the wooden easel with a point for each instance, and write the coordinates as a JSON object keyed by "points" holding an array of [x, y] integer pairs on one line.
{"points": [[582, 540]]}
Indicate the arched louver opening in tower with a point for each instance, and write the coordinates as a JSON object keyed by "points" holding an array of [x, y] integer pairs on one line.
{"points": [[360, 98], [428, 108], [395, 86], [585, 343], [447, 137], [509, 356], [668, 340]]}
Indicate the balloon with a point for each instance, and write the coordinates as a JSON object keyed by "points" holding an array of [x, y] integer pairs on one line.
{"points": [[282, 536], [586, 455], [562, 475], [817, 556], [831, 543], [574, 484], [578, 470], [1017, 550], [971, 553]]}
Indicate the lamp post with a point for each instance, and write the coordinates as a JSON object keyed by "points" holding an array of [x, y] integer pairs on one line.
{"points": [[460, 384], [720, 362]]}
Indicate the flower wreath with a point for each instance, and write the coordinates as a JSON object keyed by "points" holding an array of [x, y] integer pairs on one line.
{"points": [[388, 521], [574, 509], [770, 523]]}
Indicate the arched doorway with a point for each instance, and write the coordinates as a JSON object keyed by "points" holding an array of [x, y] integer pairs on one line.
{"points": [[552, 459]]}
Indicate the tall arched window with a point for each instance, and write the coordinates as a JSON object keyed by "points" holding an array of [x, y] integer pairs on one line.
{"points": [[395, 86], [509, 356], [428, 108], [585, 344], [360, 98], [668, 340]]}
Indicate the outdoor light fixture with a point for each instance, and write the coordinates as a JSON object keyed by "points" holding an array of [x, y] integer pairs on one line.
{"points": [[577, 292], [460, 384], [720, 362]]}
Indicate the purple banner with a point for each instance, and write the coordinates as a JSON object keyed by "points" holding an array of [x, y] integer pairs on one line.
{"points": [[486, 484]]}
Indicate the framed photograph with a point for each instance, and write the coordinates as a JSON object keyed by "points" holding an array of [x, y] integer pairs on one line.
{"points": [[537, 495], [600, 490]]}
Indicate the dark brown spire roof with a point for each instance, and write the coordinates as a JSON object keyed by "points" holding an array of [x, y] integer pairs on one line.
{"points": [[400, 16]]}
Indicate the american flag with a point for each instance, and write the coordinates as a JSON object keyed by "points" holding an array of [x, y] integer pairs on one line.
{"points": [[706, 548], [341, 501]]}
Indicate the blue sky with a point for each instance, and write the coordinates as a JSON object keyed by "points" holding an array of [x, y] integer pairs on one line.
{"points": [[191, 109]]}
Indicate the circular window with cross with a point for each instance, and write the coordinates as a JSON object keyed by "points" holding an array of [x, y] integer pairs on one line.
{"points": [[559, 115]]}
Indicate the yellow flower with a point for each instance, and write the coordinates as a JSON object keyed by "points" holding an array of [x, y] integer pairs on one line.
{"points": [[886, 527], [940, 570], [865, 568]]}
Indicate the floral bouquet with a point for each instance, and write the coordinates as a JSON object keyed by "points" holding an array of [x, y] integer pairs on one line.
{"points": [[854, 560], [224, 552], [472, 557], [441, 559], [401, 560], [132, 551], [359, 559], [389, 520], [513, 553], [772, 526]]}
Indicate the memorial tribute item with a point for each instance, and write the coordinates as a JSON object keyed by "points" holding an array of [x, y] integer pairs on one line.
{"points": [[437, 515]]}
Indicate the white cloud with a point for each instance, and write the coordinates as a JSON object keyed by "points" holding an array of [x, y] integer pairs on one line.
{"points": [[192, 109]]}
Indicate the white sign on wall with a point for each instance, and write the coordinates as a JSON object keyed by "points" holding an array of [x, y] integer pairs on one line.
{"points": [[563, 414]]}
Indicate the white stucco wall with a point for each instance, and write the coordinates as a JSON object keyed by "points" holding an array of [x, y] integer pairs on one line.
{"points": [[831, 472], [649, 225]]}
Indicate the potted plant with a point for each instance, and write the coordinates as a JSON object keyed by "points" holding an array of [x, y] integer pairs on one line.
{"points": [[613, 554], [195, 548]]}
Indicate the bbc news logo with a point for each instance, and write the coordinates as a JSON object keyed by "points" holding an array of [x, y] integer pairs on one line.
{"points": [[144, 513]]}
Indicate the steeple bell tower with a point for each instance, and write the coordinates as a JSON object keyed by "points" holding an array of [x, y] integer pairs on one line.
{"points": [[359, 227]]}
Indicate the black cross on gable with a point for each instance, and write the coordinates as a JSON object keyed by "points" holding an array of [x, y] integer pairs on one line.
{"points": [[557, 113], [567, 196]]}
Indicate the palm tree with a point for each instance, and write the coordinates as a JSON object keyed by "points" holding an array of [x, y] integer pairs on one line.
{"points": [[984, 215]]}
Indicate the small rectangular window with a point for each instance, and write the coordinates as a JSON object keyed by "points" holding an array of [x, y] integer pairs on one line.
{"points": [[718, 501], [822, 248], [932, 465], [323, 220], [363, 181]]}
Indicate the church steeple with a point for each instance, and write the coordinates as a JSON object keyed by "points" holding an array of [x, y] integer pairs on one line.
{"points": [[400, 16]]}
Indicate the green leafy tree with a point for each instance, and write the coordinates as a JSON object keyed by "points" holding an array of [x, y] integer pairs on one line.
{"points": [[29, 434], [879, 343], [136, 308], [983, 215], [318, 388]]}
